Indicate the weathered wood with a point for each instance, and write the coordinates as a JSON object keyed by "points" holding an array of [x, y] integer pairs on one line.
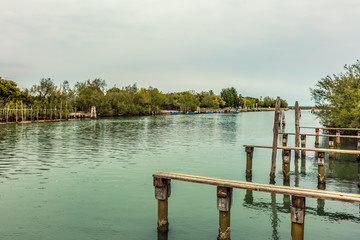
{"points": [[308, 149], [297, 217], [324, 135], [275, 139], [303, 145], [162, 193], [317, 137], [284, 142], [224, 202], [297, 128], [283, 118], [321, 168], [249, 158], [328, 128], [297, 191], [331, 146], [286, 165], [338, 137]]}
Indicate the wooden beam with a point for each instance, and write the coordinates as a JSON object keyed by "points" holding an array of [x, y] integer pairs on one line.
{"points": [[323, 135], [329, 128], [296, 191], [309, 149]]}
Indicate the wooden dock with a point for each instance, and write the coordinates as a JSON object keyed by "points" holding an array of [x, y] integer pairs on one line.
{"points": [[225, 187]]}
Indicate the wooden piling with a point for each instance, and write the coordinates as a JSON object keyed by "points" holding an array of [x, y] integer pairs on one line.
{"points": [[162, 193], [317, 137], [331, 146], [249, 158], [297, 217], [284, 141], [297, 128], [224, 202], [338, 137], [283, 118], [303, 145], [286, 165], [275, 139], [321, 168]]}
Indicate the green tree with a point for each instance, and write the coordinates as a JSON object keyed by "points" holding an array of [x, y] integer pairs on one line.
{"points": [[338, 98], [10, 92], [230, 96]]}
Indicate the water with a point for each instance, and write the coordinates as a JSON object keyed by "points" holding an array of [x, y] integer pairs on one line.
{"points": [[92, 179]]}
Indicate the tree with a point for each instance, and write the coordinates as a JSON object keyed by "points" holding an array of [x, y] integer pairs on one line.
{"points": [[9, 91], [338, 98], [230, 96]]}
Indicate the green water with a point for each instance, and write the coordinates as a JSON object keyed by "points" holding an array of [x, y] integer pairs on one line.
{"points": [[92, 179]]}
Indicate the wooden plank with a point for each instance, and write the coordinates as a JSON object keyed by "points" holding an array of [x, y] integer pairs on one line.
{"points": [[309, 149], [295, 191], [329, 128], [324, 135]]}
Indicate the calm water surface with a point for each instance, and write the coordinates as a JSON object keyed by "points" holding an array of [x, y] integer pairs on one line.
{"points": [[92, 179]]}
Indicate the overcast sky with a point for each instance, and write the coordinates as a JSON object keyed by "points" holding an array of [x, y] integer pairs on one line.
{"points": [[262, 48]]}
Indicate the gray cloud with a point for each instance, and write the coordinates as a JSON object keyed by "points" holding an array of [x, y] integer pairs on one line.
{"points": [[260, 47]]}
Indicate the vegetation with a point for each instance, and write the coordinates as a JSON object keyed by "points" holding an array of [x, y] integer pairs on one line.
{"points": [[338, 98], [125, 101]]}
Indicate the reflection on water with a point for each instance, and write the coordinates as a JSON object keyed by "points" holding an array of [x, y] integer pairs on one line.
{"points": [[92, 179]]}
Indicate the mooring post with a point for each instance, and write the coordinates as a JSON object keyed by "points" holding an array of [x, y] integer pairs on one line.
{"points": [[275, 140], [249, 158], [283, 118], [303, 145], [331, 146], [284, 141], [338, 138], [224, 202], [162, 193], [297, 217], [286, 164], [321, 168], [297, 128], [317, 130]]}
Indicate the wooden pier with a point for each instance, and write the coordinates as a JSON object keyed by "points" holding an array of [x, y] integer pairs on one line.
{"points": [[162, 184]]}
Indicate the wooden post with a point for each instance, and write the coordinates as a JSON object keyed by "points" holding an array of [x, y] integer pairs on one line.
{"points": [[331, 146], [286, 165], [284, 141], [249, 158], [283, 118], [22, 111], [338, 138], [7, 114], [224, 202], [317, 137], [16, 113], [297, 128], [297, 217], [321, 168], [162, 193], [303, 145], [275, 139]]}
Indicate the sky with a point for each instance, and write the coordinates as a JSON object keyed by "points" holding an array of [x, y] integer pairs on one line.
{"points": [[262, 48]]}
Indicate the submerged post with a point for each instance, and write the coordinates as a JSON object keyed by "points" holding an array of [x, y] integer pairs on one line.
{"points": [[303, 144], [286, 164], [331, 146], [275, 139], [162, 193], [249, 158], [321, 168], [224, 202], [297, 217], [317, 137], [297, 128]]}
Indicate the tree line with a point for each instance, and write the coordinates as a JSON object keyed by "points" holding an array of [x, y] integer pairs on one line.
{"points": [[126, 101]]}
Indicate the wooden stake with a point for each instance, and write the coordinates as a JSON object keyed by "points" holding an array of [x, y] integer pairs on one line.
{"points": [[162, 193], [297, 217], [283, 118], [224, 202], [338, 137], [317, 137], [284, 141], [249, 158], [321, 168], [286, 165], [275, 139], [303, 144], [297, 128], [331, 146]]}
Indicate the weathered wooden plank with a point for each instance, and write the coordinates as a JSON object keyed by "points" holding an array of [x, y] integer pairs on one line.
{"points": [[295, 191], [309, 149], [329, 128], [324, 135]]}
